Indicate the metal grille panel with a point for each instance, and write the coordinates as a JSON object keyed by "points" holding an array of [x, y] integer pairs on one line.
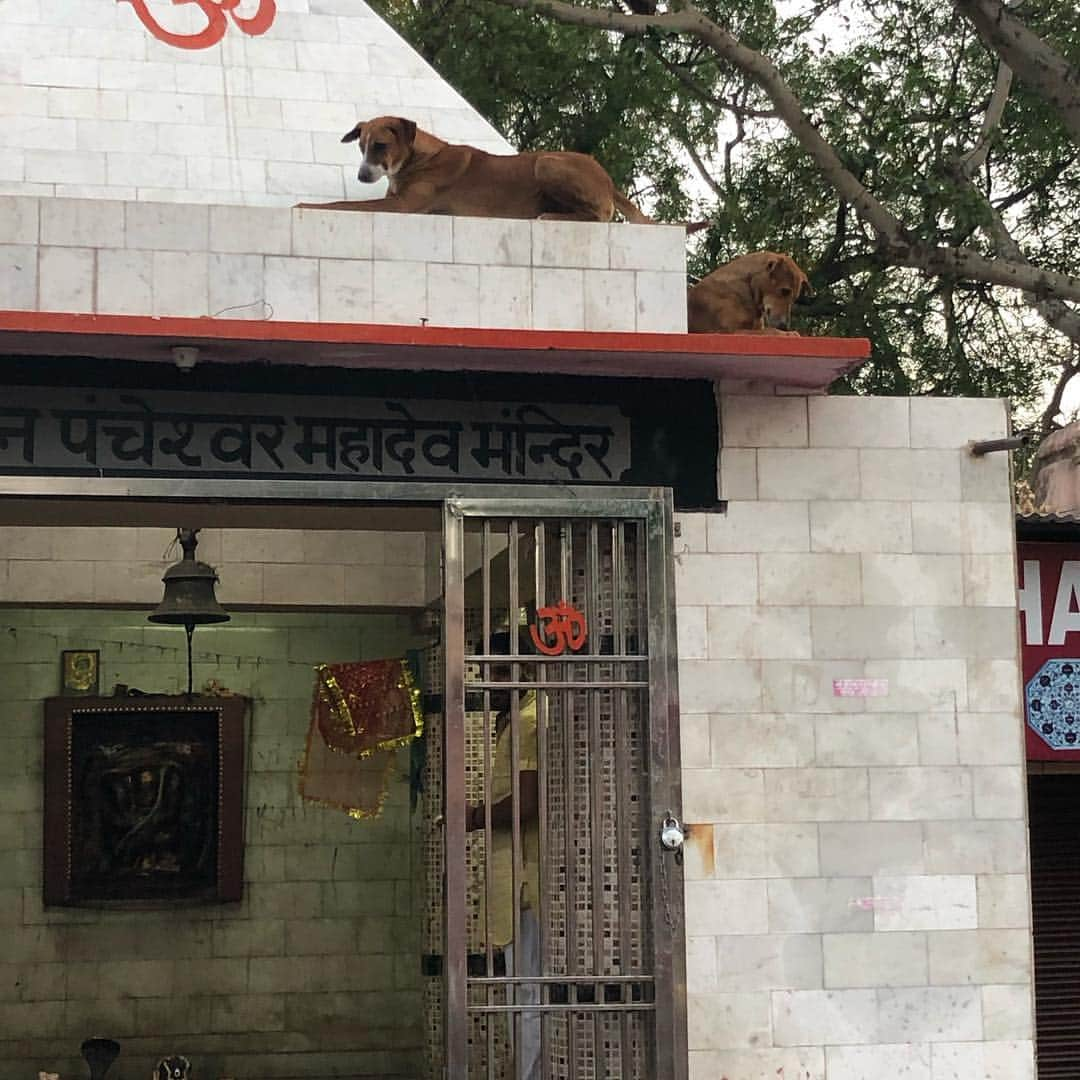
{"points": [[595, 988]]}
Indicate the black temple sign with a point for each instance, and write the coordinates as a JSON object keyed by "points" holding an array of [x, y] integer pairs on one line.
{"points": [[115, 419], [106, 432]]}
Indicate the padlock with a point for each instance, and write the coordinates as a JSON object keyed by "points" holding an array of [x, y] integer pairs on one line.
{"points": [[671, 833]]}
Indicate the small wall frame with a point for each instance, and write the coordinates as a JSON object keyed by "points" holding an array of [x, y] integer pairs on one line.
{"points": [[79, 672], [143, 801]]}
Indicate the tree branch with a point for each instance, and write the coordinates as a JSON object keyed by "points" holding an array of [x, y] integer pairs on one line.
{"points": [[829, 272], [703, 172], [729, 149], [839, 237], [893, 238], [955, 339], [975, 158], [1035, 61], [1049, 177], [1046, 424], [1055, 313], [707, 96]]}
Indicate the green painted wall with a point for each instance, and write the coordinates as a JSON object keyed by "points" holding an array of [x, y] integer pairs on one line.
{"points": [[314, 975]]}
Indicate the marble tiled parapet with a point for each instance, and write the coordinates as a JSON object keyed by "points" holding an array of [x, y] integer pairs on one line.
{"points": [[242, 262]]}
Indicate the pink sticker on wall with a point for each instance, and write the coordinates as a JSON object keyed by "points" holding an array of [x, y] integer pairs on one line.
{"points": [[876, 903], [860, 687], [214, 12]]}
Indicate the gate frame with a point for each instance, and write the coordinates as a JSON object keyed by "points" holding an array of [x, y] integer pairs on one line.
{"points": [[653, 505], [654, 508]]}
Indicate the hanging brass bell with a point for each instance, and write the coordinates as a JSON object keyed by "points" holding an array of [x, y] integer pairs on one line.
{"points": [[189, 590]]}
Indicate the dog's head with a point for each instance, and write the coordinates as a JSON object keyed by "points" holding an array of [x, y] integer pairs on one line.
{"points": [[176, 1067], [780, 284], [385, 144]]}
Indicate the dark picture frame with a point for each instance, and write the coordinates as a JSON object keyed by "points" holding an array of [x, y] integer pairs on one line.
{"points": [[144, 801]]}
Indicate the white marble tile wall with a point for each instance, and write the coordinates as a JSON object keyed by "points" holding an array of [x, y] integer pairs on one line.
{"points": [[857, 894], [93, 104], [240, 262], [75, 565]]}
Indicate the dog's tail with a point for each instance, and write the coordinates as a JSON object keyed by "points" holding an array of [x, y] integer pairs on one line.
{"points": [[636, 217], [630, 211]]}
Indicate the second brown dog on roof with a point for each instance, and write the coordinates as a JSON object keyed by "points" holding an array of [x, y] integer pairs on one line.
{"points": [[429, 176], [751, 294]]}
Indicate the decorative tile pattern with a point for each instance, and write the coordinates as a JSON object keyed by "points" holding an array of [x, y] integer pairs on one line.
{"points": [[1053, 704]]}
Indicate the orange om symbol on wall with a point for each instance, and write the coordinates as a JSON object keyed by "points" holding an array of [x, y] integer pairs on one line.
{"points": [[562, 627], [216, 22]]}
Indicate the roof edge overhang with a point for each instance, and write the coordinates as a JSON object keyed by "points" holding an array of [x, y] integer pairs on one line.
{"points": [[1048, 527], [807, 363]]}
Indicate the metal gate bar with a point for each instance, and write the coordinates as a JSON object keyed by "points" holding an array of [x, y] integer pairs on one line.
{"points": [[515, 764], [664, 765], [596, 807], [540, 593], [489, 954], [455, 958], [566, 712], [622, 809]]}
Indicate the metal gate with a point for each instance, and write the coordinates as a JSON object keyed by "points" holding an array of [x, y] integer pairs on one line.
{"points": [[564, 946]]}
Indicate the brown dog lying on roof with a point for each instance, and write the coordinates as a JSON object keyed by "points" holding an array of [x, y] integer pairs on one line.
{"points": [[751, 294], [429, 176]]}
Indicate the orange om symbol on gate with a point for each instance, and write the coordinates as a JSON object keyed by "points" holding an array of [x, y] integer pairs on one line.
{"points": [[216, 23], [562, 627]]}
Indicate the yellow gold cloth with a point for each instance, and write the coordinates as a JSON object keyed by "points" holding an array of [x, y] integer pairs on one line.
{"points": [[359, 712], [367, 706]]}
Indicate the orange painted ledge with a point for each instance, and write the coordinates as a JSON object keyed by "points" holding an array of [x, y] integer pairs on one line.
{"points": [[812, 362]]}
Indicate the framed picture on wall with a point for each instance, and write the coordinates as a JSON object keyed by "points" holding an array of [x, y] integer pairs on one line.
{"points": [[143, 801], [79, 671]]}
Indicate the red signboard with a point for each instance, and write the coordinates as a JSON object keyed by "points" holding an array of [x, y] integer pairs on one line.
{"points": [[1049, 579]]}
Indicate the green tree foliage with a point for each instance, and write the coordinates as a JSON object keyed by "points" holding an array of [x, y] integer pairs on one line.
{"points": [[899, 89]]}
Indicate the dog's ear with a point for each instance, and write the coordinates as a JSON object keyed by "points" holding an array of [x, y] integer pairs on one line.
{"points": [[771, 265], [406, 129], [806, 290], [352, 136]]}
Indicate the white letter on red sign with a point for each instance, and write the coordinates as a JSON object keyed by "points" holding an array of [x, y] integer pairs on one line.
{"points": [[1065, 618], [1030, 594]]}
